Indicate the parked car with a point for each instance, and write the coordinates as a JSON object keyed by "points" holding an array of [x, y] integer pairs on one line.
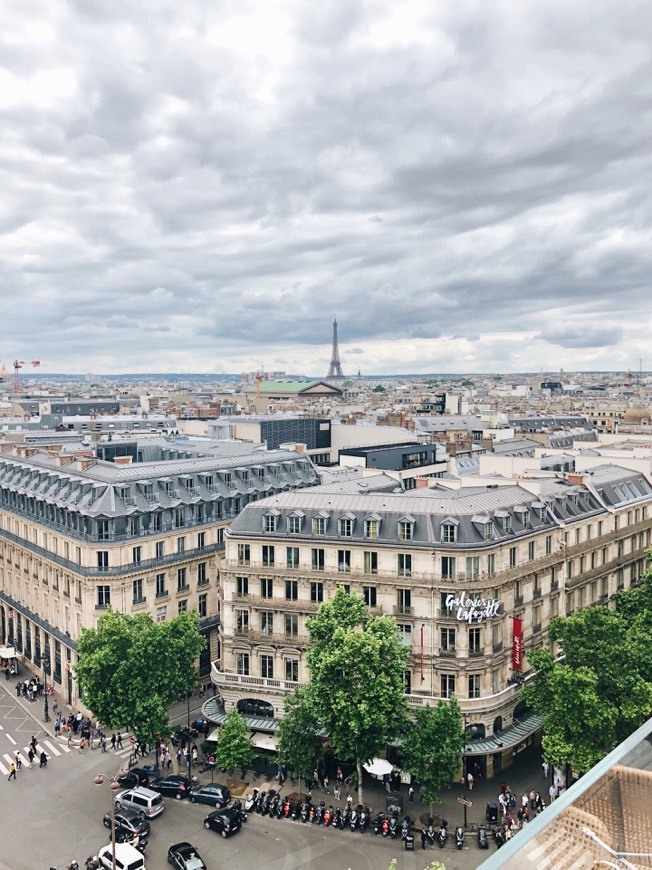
{"points": [[126, 857], [145, 801], [128, 824], [171, 786], [184, 856], [224, 822], [215, 795], [133, 778]]}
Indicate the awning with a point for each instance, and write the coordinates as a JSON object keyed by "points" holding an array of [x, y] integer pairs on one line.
{"points": [[8, 652], [378, 767], [518, 731], [264, 741]]}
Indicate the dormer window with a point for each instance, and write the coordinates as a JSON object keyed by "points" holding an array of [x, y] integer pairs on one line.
{"points": [[270, 521], [372, 526], [294, 523], [319, 525], [406, 528], [484, 525], [523, 515], [449, 531], [345, 525]]}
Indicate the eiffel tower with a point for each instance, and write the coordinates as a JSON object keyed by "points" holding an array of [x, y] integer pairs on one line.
{"points": [[335, 370]]}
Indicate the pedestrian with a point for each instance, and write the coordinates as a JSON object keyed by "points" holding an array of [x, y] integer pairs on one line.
{"points": [[43, 760], [325, 781], [533, 804], [103, 743], [119, 739], [349, 800], [195, 754], [19, 761], [552, 791], [90, 741], [470, 780], [411, 794], [69, 739], [18, 688], [339, 776], [202, 691], [31, 755], [336, 791], [57, 726], [32, 743], [113, 740], [546, 768], [82, 744], [12, 772]]}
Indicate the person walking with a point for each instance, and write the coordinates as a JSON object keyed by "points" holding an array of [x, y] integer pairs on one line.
{"points": [[12, 772], [19, 761], [336, 791], [470, 780], [43, 760], [546, 768], [552, 791], [32, 743], [119, 739], [113, 740], [31, 755], [103, 743]]}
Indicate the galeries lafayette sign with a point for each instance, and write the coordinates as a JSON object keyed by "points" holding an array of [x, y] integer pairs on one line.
{"points": [[472, 608]]}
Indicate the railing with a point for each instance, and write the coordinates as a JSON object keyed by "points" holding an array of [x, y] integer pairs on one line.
{"points": [[227, 678], [447, 653], [498, 647]]}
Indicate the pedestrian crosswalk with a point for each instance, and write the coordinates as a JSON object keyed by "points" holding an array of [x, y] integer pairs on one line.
{"points": [[46, 746]]}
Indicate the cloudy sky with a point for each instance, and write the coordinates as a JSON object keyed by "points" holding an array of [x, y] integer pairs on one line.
{"points": [[202, 186]]}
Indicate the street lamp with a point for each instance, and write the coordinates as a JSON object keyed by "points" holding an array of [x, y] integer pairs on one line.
{"points": [[46, 667], [189, 748], [114, 785]]}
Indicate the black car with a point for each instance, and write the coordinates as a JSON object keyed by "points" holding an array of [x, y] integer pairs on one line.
{"points": [[184, 856], [128, 824], [224, 822], [133, 778], [171, 786], [215, 795]]}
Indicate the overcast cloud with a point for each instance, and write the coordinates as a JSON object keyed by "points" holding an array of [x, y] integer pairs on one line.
{"points": [[203, 186]]}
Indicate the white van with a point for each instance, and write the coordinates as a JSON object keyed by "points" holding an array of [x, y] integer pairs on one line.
{"points": [[126, 857]]}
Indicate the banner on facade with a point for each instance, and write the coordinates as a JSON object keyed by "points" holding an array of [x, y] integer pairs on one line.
{"points": [[517, 644]]}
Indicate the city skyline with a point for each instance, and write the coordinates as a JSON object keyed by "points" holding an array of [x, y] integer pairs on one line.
{"points": [[200, 191]]}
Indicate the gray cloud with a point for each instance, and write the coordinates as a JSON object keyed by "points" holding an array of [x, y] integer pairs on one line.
{"points": [[462, 185]]}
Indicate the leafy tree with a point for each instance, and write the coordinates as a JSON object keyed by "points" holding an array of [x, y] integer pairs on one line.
{"points": [[300, 744], [356, 687], [433, 746], [234, 748], [379, 389], [131, 669]]}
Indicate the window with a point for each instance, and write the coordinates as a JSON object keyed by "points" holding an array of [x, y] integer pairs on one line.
{"points": [[181, 579], [370, 562], [201, 540], [291, 590], [202, 577], [371, 528], [447, 639], [242, 622], [136, 554], [448, 536], [182, 605], [488, 531], [244, 554], [137, 590], [447, 683], [291, 624], [344, 561], [267, 667], [317, 559], [103, 596], [266, 587], [134, 526], [242, 664], [294, 525], [548, 545], [292, 557], [319, 525], [267, 622], [369, 595], [268, 556], [491, 564], [181, 545], [160, 586], [448, 567], [404, 601], [345, 526], [102, 559], [270, 522], [569, 569], [475, 641], [472, 567], [404, 565], [179, 518], [161, 613], [405, 630], [530, 551], [512, 557], [317, 592], [474, 685], [160, 549], [157, 521], [103, 530], [202, 605], [405, 529], [292, 670]]}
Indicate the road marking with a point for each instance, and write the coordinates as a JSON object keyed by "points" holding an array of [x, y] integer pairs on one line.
{"points": [[11, 739], [3, 769], [52, 748]]}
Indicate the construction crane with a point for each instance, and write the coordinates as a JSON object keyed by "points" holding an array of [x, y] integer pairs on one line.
{"points": [[18, 364]]}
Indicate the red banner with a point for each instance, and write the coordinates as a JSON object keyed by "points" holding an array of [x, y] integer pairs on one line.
{"points": [[517, 644]]}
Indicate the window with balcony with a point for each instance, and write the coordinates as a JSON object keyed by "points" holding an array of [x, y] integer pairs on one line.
{"points": [[267, 621], [513, 557], [160, 586], [179, 518], [242, 622], [202, 575], [472, 567], [241, 586], [319, 525], [344, 561], [201, 540], [491, 564], [317, 559], [531, 551], [404, 564], [447, 640], [475, 641], [370, 559], [244, 554], [474, 685], [157, 522], [102, 559], [266, 587], [548, 545], [291, 624], [369, 595], [404, 601], [316, 592], [103, 596], [267, 667], [268, 555], [103, 530], [291, 590], [181, 579], [202, 604], [181, 545], [134, 526], [292, 557], [291, 670], [137, 590], [160, 549], [447, 685], [242, 664], [448, 567]]}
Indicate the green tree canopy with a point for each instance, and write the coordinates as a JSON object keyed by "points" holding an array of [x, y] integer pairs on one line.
{"points": [[356, 688], [432, 747], [131, 669], [379, 389], [234, 748], [301, 744]]}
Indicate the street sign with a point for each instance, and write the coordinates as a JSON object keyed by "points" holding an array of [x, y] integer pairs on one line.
{"points": [[464, 802]]}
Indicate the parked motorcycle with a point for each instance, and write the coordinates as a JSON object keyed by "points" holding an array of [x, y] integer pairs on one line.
{"points": [[346, 818], [499, 837], [250, 801], [260, 802], [393, 827], [364, 821], [237, 806], [305, 811], [378, 824], [328, 816], [338, 821], [442, 835], [406, 826], [483, 842], [355, 819], [459, 837]]}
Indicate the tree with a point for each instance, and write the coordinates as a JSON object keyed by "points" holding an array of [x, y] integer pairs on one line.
{"points": [[432, 747], [356, 688], [131, 669], [379, 389], [234, 748], [301, 744]]}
